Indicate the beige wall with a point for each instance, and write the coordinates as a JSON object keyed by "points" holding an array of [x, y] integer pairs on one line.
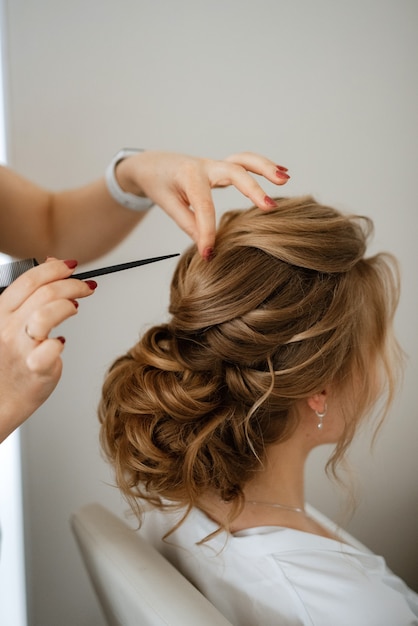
{"points": [[328, 89]]}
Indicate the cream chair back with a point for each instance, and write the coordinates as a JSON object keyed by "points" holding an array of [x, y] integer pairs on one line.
{"points": [[135, 584]]}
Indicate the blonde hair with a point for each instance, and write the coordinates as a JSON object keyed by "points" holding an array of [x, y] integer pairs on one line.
{"points": [[287, 305]]}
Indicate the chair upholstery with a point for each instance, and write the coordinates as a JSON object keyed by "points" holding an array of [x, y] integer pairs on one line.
{"points": [[135, 584]]}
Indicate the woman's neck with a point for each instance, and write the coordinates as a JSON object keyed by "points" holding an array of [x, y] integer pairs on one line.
{"points": [[280, 480]]}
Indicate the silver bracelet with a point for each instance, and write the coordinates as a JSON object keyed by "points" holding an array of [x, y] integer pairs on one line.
{"points": [[126, 199]]}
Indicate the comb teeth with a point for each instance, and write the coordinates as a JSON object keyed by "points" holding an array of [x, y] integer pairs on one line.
{"points": [[10, 271]]}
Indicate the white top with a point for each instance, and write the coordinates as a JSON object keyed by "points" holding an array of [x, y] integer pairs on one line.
{"points": [[275, 576]]}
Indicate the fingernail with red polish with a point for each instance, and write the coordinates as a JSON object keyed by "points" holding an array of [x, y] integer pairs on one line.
{"points": [[91, 283], [71, 263], [269, 201], [208, 254], [61, 339], [281, 168], [75, 303], [282, 174]]}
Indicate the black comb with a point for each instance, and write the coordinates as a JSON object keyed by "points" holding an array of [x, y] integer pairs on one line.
{"points": [[10, 271]]}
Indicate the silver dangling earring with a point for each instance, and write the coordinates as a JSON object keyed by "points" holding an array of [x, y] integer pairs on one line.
{"points": [[321, 416]]}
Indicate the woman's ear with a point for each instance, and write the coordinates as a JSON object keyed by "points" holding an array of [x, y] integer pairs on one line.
{"points": [[318, 401]]}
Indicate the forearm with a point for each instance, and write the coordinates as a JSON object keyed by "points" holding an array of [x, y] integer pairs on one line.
{"points": [[81, 223], [87, 222]]}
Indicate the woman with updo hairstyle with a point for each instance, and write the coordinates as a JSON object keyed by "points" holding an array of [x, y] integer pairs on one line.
{"points": [[282, 342]]}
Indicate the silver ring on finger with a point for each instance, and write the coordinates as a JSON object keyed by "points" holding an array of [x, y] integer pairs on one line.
{"points": [[33, 337]]}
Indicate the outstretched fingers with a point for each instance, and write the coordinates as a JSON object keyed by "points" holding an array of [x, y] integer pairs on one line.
{"points": [[248, 163]]}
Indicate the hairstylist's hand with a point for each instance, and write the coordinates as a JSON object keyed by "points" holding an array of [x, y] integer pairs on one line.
{"points": [[181, 185], [30, 361]]}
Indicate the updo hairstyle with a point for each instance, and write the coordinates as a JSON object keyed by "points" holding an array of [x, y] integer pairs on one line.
{"points": [[288, 305]]}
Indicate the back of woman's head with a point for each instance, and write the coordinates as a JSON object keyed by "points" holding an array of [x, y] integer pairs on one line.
{"points": [[288, 305]]}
